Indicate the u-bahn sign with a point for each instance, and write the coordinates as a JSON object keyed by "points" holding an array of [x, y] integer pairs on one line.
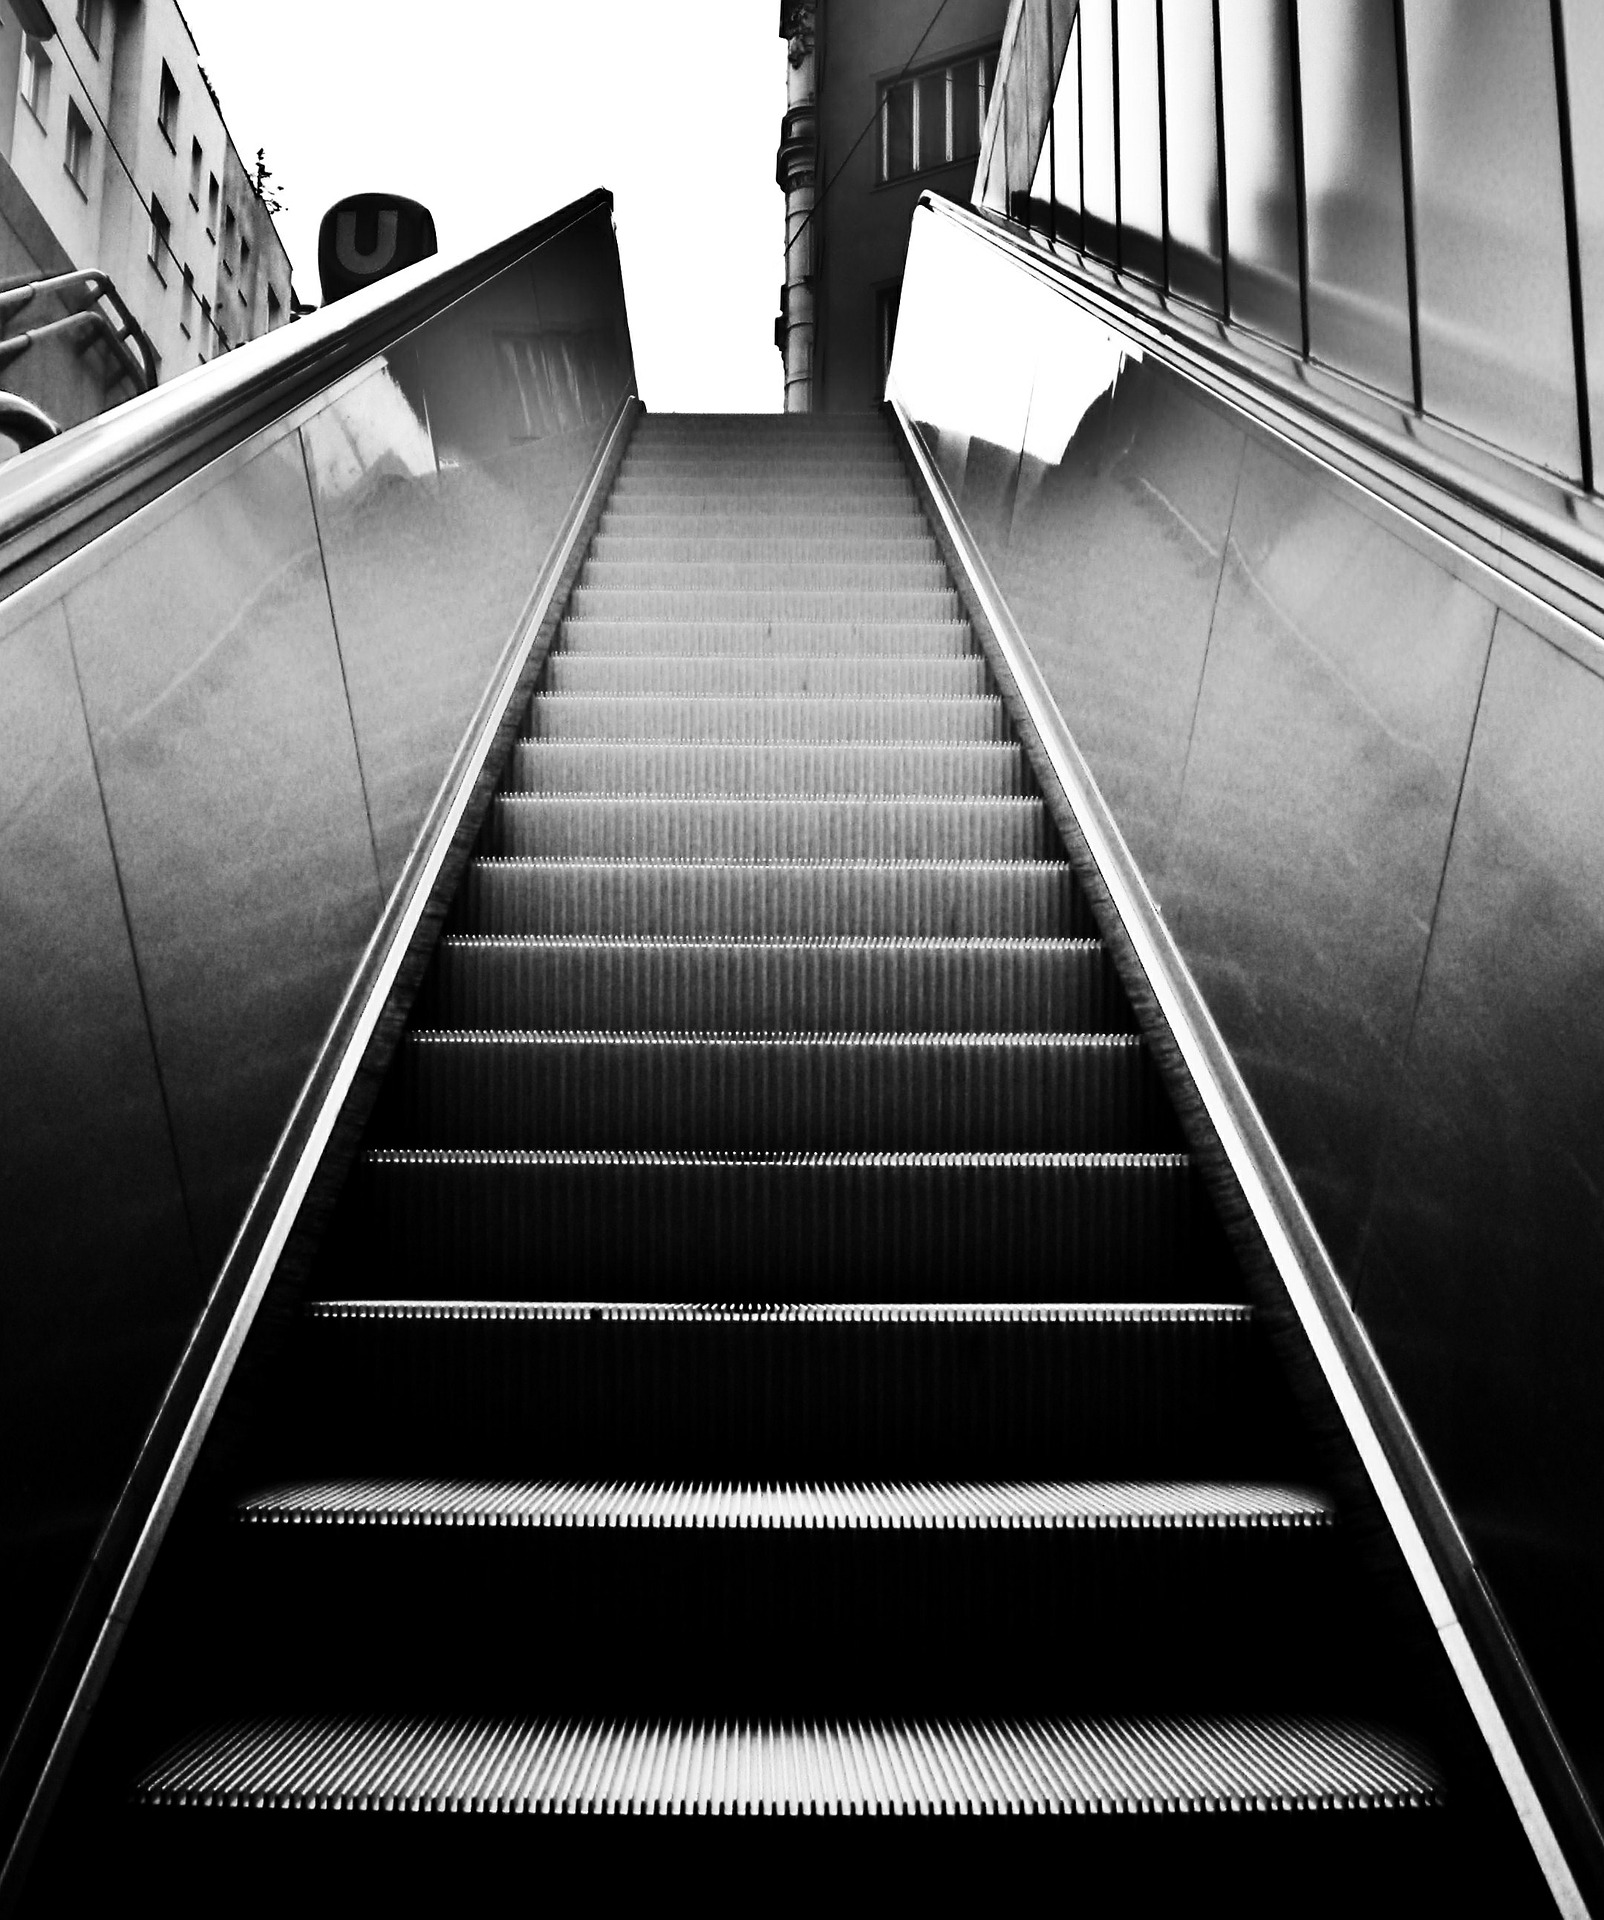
{"points": [[367, 236]]}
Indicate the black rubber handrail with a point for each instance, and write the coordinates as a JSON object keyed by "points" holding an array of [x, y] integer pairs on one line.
{"points": [[1526, 1748], [56, 498]]}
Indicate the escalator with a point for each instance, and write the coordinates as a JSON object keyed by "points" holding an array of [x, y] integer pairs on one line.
{"points": [[774, 1356]]}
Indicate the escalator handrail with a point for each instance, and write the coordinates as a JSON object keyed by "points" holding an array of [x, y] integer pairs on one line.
{"points": [[60, 496], [33, 1770], [1542, 1783]]}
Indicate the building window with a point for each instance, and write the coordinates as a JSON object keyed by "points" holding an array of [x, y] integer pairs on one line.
{"points": [[934, 118], [167, 108], [35, 79], [186, 301], [90, 13], [275, 309], [230, 228], [211, 209], [161, 232], [244, 267], [886, 303], [78, 143], [196, 168]]}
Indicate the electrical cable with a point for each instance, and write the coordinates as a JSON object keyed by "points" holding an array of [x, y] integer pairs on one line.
{"points": [[868, 127]]}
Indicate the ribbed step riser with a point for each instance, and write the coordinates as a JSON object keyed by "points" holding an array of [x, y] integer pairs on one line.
{"points": [[717, 549], [1043, 1768], [857, 469], [773, 677], [507, 1228], [605, 826], [761, 603], [847, 987], [690, 573], [891, 525], [469, 1392], [764, 639], [667, 767], [778, 1622], [574, 716], [880, 484], [781, 1094], [1019, 899]]}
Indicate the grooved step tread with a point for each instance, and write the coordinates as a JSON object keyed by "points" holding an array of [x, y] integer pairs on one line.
{"points": [[1114, 1766], [770, 676], [875, 1313], [888, 767], [841, 1505], [747, 639], [755, 717]]}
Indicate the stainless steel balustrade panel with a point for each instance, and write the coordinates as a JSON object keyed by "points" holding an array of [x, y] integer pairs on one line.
{"points": [[1256, 84], [1067, 222], [216, 704], [1192, 153], [1354, 189], [222, 725], [85, 1139], [1496, 348], [1369, 803]]}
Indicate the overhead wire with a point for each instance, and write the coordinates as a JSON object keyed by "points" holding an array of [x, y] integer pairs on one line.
{"points": [[868, 127]]}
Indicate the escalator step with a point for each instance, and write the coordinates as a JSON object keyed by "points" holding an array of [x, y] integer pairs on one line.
{"points": [[649, 547], [850, 677], [889, 522], [801, 828], [889, 1226], [842, 985], [588, 1388], [817, 575], [974, 767], [763, 603], [743, 639], [1004, 898], [643, 717], [1118, 1505], [782, 1092], [1105, 1767]]}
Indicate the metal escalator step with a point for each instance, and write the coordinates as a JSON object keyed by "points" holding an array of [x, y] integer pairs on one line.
{"points": [[876, 1226], [784, 1093], [1007, 898], [743, 639], [842, 1389], [642, 717], [1247, 1766], [970, 767], [837, 677], [892, 523], [829, 985], [805, 827], [833, 548], [874, 480], [690, 572], [1085, 1505], [764, 603]]}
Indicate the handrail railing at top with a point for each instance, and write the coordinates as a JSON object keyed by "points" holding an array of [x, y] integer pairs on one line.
{"points": [[61, 495]]}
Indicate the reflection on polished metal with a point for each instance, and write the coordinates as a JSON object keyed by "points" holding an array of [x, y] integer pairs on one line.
{"points": [[1402, 188], [1290, 695], [238, 854], [761, 982]]}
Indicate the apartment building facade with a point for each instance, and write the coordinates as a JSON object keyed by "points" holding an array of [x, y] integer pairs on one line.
{"points": [[886, 100], [115, 157]]}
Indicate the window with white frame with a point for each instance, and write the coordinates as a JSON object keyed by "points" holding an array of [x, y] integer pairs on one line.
{"points": [[35, 79], [933, 118], [79, 141]]}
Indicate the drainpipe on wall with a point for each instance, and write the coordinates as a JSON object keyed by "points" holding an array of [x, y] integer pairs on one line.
{"points": [[796, 169]]}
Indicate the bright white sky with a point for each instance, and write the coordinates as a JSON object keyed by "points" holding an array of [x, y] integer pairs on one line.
{"points": [[494, 112]]}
